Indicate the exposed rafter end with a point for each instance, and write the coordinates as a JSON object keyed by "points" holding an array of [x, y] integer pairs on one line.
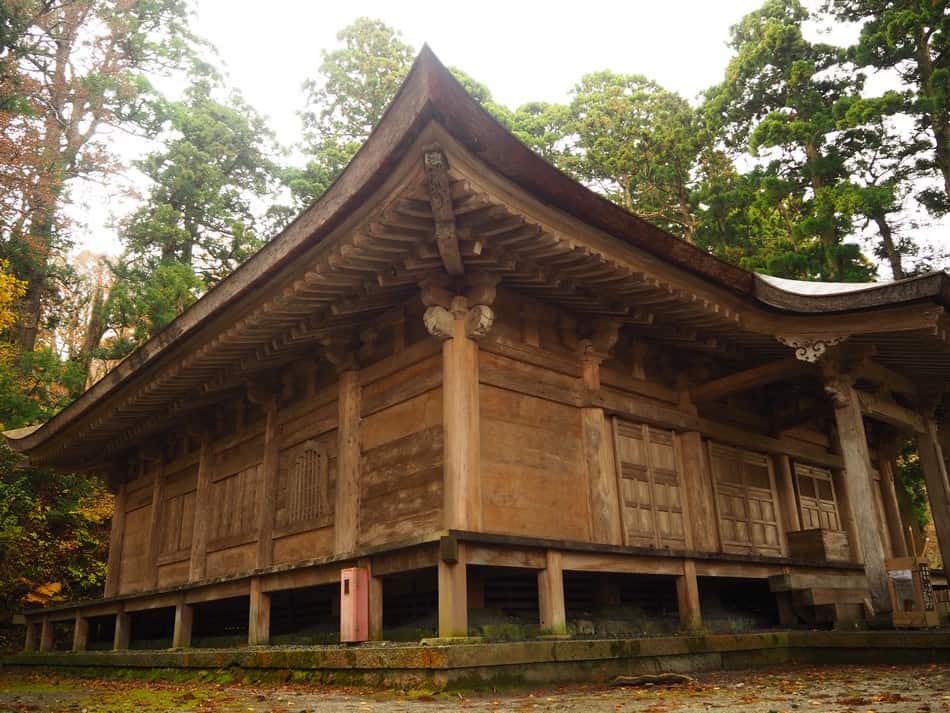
{"points": [[440, 198]]}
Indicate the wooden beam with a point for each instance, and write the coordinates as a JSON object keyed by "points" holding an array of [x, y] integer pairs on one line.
{"points": [[748, 379], [888, 378], [788, 502], [123, 632], [47, 639], [440, 198], [603, 498], [698, 487], [889, 412], [155, 524]]}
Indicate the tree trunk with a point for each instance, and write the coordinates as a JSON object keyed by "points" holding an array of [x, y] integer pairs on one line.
{"points": [[94, 330], [887, 240], [829, 235], [940, 127]]}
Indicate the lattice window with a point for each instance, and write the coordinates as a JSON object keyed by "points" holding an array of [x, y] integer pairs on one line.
{"points": [[649, 485], [816, 498], [745, 494], [307, 483]]}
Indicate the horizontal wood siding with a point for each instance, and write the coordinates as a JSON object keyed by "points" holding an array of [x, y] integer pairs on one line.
{"points": [[534, 478], [401, 479]]}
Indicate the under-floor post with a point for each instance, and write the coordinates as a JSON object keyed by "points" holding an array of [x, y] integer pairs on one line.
{"points": [[551, 595], [258, 628], [80, 633], [46, 635], [123, 632], [453, 597], [687, 597], [32, 642], [184, 618]]}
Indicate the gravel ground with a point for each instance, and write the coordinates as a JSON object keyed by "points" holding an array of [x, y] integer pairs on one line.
{"points": [[855, 689]]}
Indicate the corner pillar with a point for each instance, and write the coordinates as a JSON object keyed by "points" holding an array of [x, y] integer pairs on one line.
{"points": [[934, 468], [858, 483], [459, 321]]}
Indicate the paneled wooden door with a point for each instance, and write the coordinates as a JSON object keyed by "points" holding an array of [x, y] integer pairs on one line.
{"points": [[650, 485], [745, 497], [817, 503]]}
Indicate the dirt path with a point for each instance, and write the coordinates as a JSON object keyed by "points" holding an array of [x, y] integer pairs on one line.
{"points": [[855, 689]]}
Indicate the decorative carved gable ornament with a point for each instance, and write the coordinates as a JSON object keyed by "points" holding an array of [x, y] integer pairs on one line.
{"points": [[811, 348]]}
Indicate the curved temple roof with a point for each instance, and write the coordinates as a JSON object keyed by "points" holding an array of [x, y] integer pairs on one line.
{"points": [[431, 96]]}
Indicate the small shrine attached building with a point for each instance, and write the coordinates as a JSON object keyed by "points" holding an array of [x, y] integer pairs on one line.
{"points": [[463, 372]]}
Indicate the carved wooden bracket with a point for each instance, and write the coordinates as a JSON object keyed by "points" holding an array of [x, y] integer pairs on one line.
{"points": [[811, 348], [440, 199], [341, 350], [473, 308], [594, 340]]}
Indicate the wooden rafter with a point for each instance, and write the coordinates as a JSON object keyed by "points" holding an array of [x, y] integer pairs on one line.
{"points": [[440, 198]]}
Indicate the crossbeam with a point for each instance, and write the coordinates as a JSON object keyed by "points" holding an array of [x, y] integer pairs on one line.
{"points": [[890, 412], [748, 379]]}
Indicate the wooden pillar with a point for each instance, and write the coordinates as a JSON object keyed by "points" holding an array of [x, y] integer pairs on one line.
{"points": [[375, 597], [462, 493], [258, 626], [184, 619], [603, 498], [858, 481], [117, 535], [453, 596], [203, 511], [788, 501], [687, 598], [155, 523], [123, 631], [347, 511], [700, 496], [32, 642], [551, 595], [46, 635], [892, 508], [269, 468], [80, 633], [934, 468]]}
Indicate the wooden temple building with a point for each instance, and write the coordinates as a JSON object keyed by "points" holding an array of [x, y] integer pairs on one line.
{"points": [[460, 369]]}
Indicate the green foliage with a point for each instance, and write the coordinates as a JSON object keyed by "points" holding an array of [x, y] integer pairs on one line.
{"points": [[912, 39], [53, 535], [198, 223], [778, 102], [910, 477], [354, 86]]}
